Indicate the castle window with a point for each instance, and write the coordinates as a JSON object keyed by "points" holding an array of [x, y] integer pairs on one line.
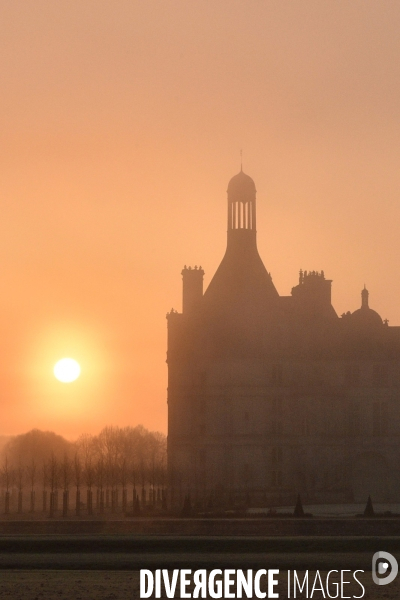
{"points": [[380, 421], [380, 376], [277, 375], [352, 375]]}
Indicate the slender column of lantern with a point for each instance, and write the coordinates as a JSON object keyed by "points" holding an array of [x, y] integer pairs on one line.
{"points": [[253, 214], [242, 215], [231, 216]]}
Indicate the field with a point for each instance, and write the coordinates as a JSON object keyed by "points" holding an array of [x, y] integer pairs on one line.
{"points": [[105, 565], [117, 585]]}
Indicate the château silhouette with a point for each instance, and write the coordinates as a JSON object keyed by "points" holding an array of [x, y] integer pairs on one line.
{"points": [[270, 396]]}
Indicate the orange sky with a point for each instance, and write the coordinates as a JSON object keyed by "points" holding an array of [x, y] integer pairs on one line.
{"points": [[122, 123]]}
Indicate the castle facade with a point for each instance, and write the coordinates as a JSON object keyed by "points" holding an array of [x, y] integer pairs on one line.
{"points": [[269, 395]]}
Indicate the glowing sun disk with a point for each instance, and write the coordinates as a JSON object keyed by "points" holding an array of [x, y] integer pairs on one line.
{"points": [[67, 370]]}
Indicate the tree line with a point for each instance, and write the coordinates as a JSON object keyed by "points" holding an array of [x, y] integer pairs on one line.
{"points": [[120, 469]]}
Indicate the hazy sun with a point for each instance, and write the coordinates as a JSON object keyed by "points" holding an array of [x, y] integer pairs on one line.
{"points": [[67, 370]]}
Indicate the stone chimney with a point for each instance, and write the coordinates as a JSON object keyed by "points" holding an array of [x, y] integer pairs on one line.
{"points": [[192, 289]]}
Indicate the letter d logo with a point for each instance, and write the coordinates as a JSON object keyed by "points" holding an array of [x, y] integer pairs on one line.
{"points": [[381, 561]]}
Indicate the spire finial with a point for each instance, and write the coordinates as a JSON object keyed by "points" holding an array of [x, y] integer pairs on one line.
{"points": [[364, 297], [241, 160]]}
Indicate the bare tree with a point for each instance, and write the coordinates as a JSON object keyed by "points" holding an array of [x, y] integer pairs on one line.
{"points": [[124, 481], [31, 475], [89, 480], [111, 460], [54, 478], [45, 481], [78, 474], [37, 444], [107, 445], [7, 479], [20, 476], [66, 474], [99, 476]]}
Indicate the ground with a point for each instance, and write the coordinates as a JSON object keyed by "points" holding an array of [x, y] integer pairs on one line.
{"points": [[124, 585]]}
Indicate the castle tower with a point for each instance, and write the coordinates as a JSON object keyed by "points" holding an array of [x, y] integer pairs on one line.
{"points": [[211, 345], [241, 288], [270, 396]]}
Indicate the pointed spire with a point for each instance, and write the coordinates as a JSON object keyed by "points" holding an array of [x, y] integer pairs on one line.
{"points": [[241, 160], [364, 297], [369, 509], [298, 509]]}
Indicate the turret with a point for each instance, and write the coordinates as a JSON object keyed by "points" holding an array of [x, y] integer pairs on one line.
{"points": [[365, 316], [364, 298]]}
